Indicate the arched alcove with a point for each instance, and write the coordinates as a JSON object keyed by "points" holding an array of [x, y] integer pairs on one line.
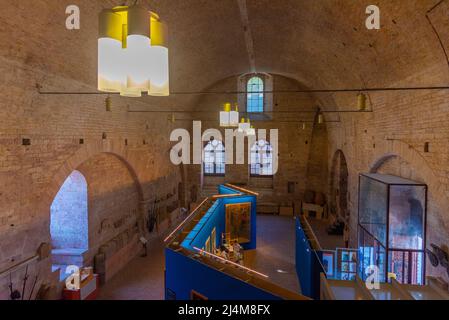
{"points": [[69, 214], [338, 190]]}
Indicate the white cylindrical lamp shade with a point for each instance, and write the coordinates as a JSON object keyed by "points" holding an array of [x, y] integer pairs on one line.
{"points": [[159, 70], [138, 62], [137, 50], [243, 127], [234, 119], [111, 75], [224, 118]]}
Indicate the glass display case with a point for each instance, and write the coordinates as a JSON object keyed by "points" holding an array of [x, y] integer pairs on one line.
{"points": [[392, 227]]}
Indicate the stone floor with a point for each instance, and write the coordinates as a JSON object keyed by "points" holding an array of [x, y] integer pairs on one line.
{"points": [[143, 278], [275, 253]]}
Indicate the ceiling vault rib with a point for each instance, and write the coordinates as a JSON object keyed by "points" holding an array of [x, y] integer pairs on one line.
{"points": [[436, 32], [248, 35]]}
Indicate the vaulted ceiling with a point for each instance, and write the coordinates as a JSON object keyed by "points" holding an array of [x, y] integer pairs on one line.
{"points": [[320, 43]]}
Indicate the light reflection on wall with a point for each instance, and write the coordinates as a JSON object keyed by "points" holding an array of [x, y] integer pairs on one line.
{"points": [[69, 217]]}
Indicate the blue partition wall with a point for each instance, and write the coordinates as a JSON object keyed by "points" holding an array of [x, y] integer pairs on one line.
{"points": [[226, 190], [308, 266], [199, 234], [215, 218], [184, 274]]}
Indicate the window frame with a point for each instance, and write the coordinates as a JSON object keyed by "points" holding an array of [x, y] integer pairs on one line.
{"points": [[248, 92], [258, 175], [214, 164]]}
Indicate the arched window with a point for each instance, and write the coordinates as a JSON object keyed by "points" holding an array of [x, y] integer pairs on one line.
{"points": [[254, 90], [261, 159], [68, 214], [214, 158]]}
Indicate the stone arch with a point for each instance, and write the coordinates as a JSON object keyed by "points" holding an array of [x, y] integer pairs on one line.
{"points": [[339, 184], [69, 214], [377, 164], [84, 154], [397, 148]]}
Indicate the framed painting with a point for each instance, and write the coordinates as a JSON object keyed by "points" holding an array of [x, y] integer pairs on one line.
{"points": [[238, 221]]}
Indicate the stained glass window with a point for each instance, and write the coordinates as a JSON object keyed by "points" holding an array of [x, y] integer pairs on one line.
{"points": [[254, 101], [214, 158], [261, 159]]}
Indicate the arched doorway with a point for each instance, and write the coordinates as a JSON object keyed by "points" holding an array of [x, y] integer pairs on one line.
{"points": [[339, 186], [69, 222], [69, 217]]}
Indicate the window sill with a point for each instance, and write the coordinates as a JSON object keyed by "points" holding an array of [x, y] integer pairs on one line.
{"points": [[261, 176]]}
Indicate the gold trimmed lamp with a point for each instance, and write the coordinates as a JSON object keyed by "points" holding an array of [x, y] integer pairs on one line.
{"points": [[320, 118], [244, 125], [251, 131], [361, 102], [224, 115], [132, 52], [159, 73], [234, 117]]}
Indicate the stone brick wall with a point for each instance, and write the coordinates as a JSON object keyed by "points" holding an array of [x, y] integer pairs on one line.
{"points": [[113, 199], [295, 143], [392, 140], [43, 138]]}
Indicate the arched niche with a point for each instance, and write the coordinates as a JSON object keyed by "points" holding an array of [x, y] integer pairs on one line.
{"points": [[69, 214]]}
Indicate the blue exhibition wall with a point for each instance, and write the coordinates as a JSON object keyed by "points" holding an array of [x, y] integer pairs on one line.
{"points": [[184, 275], [215, 218], [203, 229], [308, 266], [226, 190]]}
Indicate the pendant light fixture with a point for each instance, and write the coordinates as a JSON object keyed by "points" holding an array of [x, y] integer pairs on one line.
{"points": [[132, 52], [234, 117], [244, 125], [320, 118], [251, 131], [229, 118], [361, 101], [224, 115], [159, 72]]}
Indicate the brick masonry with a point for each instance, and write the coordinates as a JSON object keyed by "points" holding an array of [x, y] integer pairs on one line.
{"points": [[124, 155]]}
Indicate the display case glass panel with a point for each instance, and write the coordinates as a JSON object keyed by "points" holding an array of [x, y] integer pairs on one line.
{"points": [[407, 217], [373, 207], [392, 225]]}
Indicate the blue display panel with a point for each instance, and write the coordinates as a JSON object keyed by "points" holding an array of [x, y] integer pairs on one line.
{"points": [[308, 264], [185, 275]]}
